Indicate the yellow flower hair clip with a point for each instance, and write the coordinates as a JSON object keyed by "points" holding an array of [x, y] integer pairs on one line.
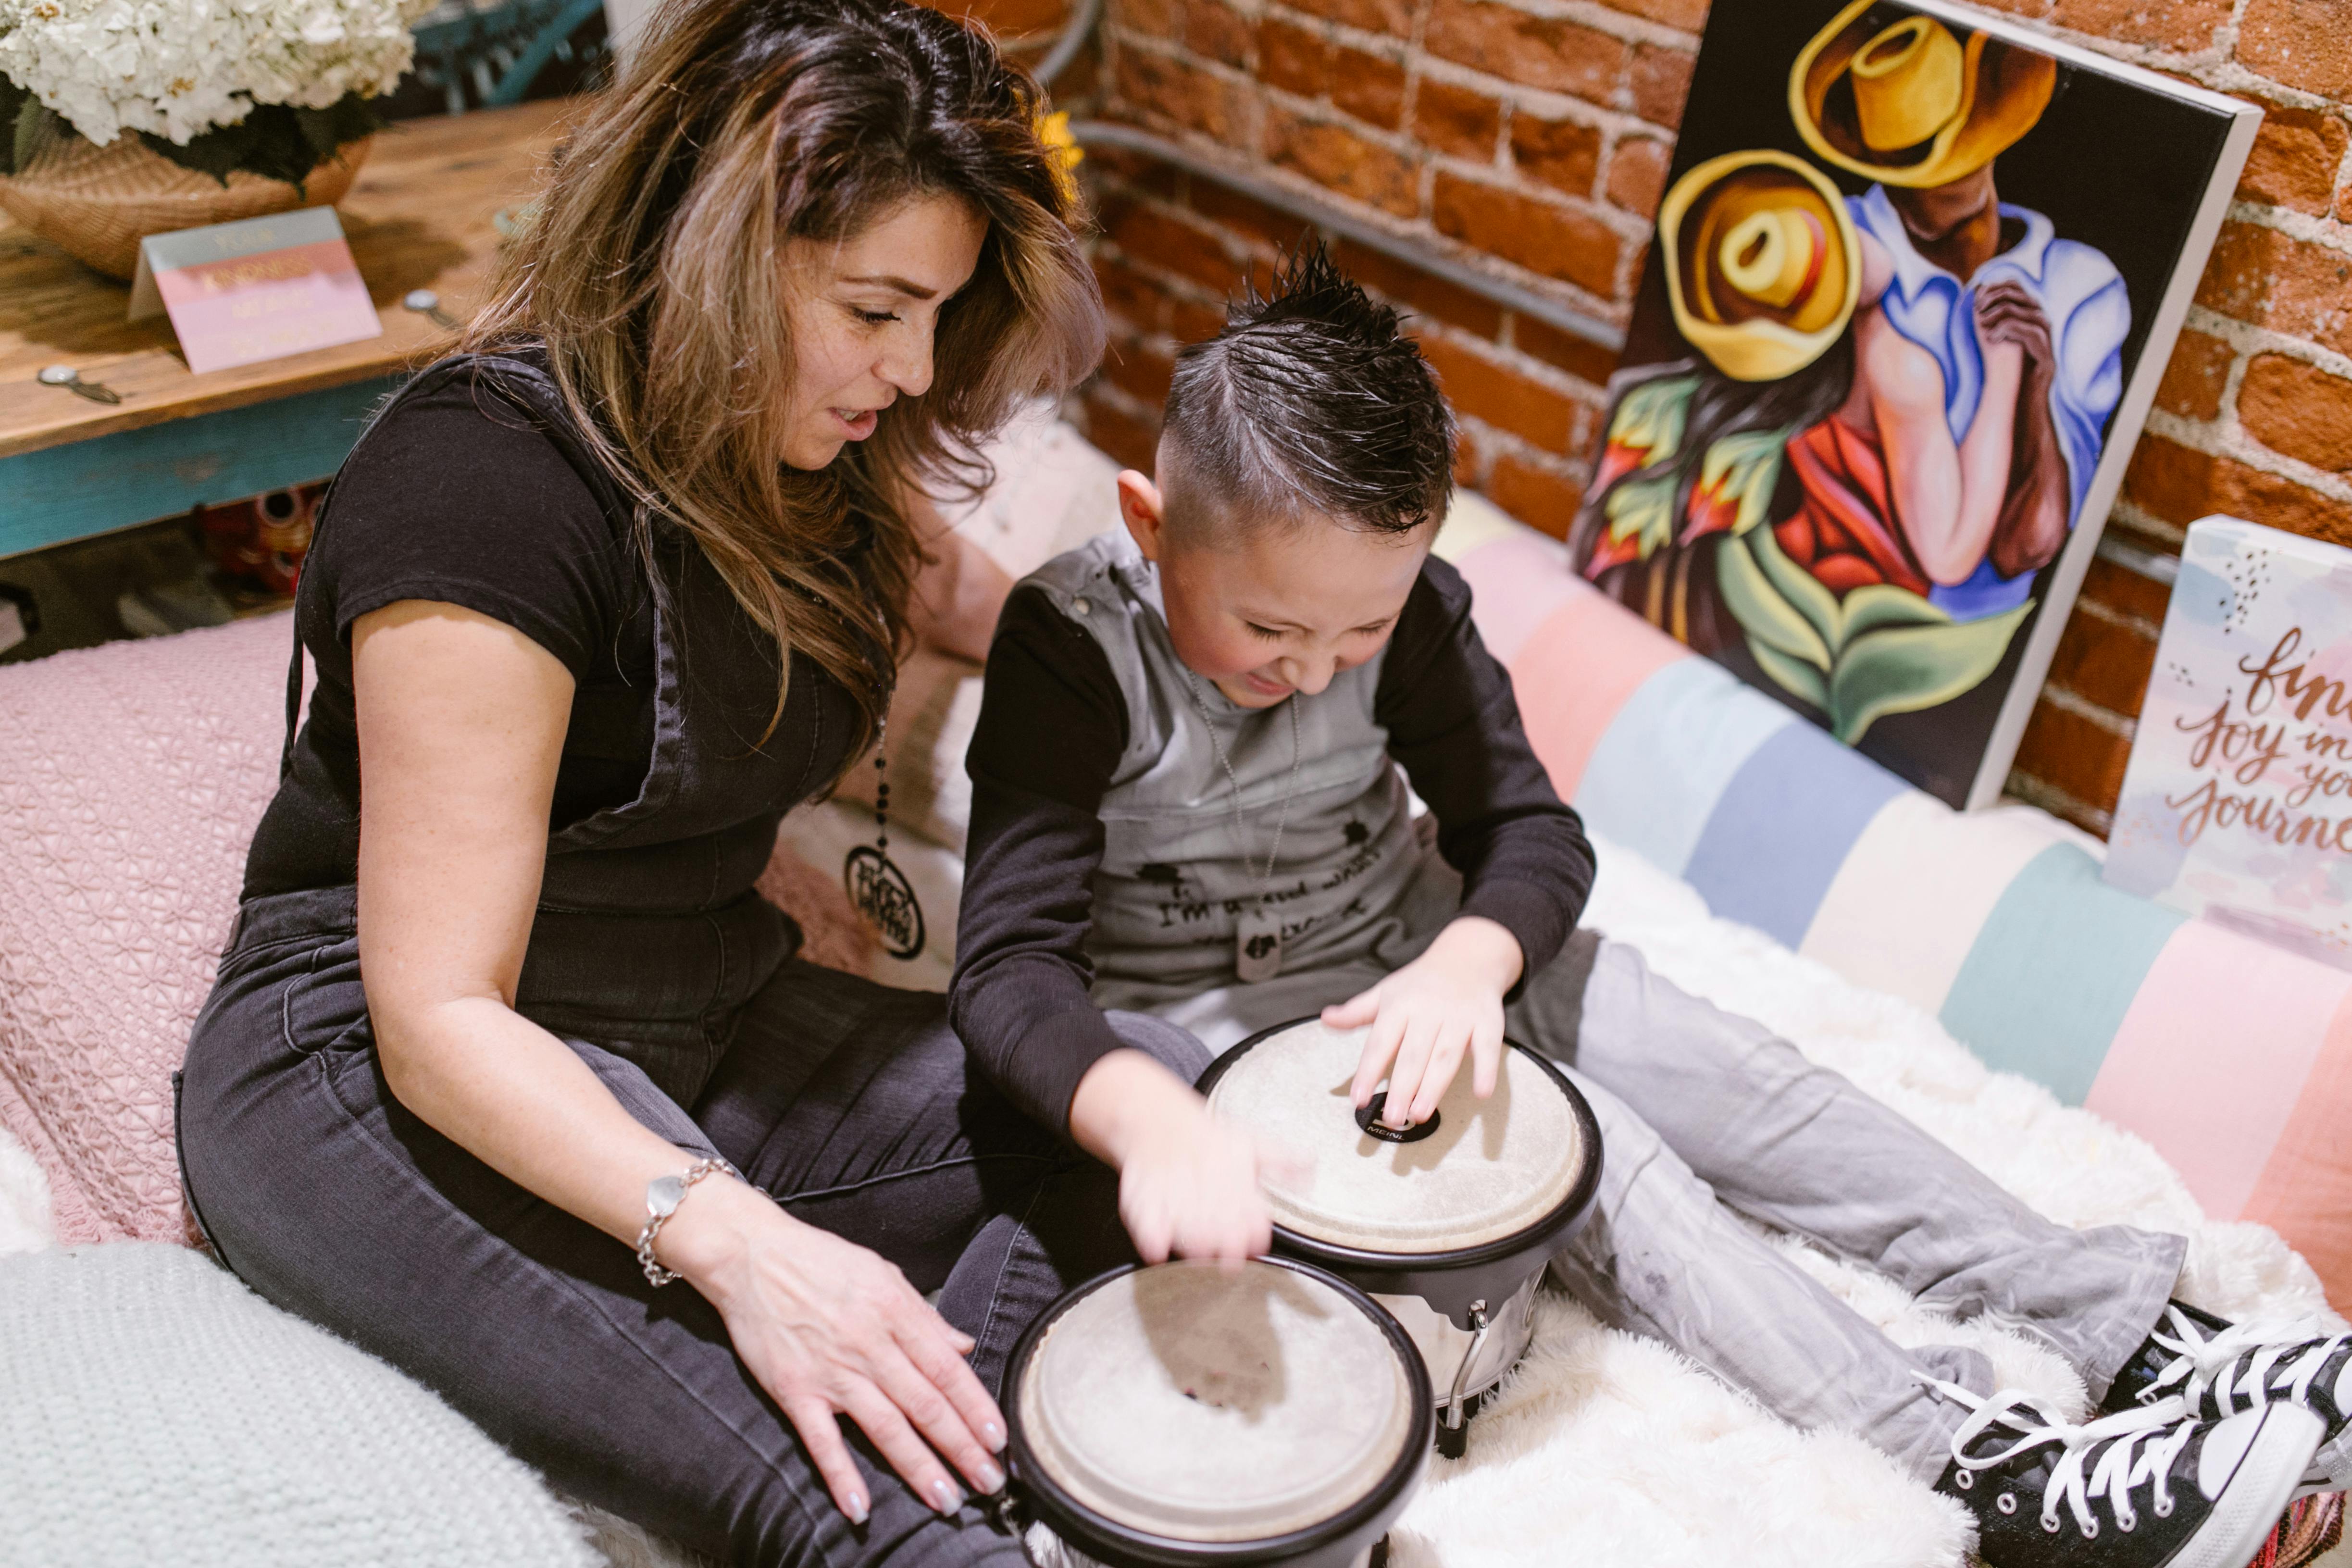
{"points": [[1062, 152]]}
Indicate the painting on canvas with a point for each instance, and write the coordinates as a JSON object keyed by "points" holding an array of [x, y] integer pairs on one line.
{"points": [[2237, 804], [1915, 277]]}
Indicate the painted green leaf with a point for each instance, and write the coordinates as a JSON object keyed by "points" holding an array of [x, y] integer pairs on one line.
{"points": [[1794, 674], [1642, 509], [1903, 668], [1804, 592], [1877, 604], [1651, 416], [1762, 610], [1745, 468]]}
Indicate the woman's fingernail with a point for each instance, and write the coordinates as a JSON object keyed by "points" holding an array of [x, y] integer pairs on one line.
{"points": [[992, 1480], [856, 1509], [993, 1435], [943, 1495]]}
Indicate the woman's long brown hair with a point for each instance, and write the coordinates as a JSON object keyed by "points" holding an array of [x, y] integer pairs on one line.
{"points": [[653, 273]]}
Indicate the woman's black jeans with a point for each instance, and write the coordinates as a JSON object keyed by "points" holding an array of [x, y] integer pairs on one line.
{"points": [[852, 1103]]}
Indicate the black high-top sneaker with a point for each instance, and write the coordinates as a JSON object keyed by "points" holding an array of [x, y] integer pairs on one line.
{"points": [[2220, 1368], [2150, 1487]]}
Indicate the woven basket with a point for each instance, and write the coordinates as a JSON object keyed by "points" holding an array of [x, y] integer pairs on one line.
{"points": [[96, 203]]}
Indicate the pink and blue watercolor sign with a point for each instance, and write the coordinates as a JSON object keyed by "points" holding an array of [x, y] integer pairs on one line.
{"points": [[2237, 804]]}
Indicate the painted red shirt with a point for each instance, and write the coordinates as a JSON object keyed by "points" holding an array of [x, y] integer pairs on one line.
{"points": [[1844, 532]]}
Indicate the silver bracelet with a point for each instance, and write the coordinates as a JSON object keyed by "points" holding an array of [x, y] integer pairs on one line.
{"points": [[663, 1195]]}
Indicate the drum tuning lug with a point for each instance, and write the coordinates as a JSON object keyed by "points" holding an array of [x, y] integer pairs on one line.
{"points": [[1453, 1430]]}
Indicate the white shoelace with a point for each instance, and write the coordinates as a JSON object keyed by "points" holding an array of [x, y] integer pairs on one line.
{"points": [[2141, 1445], [2244, 1362]]}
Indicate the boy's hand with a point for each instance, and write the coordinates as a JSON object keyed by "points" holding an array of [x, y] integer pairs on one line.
{"points": [[1426, 1015], [1188, 1183]]}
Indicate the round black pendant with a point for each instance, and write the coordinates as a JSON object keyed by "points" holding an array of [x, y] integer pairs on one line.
{"points": [[880, 891]]}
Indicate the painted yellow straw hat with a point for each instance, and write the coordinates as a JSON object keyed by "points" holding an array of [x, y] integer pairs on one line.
{"points": [[1909, 104], [1763, 266]]}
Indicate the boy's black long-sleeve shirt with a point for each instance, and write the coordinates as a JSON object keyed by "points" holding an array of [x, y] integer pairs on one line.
{"points": [[1053, 726]]}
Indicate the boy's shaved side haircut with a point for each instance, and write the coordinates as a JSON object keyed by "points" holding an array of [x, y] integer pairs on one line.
{"points": [[1310, 400]]}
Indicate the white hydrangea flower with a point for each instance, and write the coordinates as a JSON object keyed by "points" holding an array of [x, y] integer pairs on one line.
{"points": [[178, 68]]}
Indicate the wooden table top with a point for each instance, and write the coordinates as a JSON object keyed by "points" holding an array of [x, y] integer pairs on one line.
{"points": [[418, 217]]}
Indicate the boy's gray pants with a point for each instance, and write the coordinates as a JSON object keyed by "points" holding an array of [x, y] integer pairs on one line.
{"points": [[1704, 1113]]}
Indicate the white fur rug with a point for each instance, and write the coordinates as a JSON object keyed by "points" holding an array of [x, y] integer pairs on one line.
{"points": [[1611, 1452]]}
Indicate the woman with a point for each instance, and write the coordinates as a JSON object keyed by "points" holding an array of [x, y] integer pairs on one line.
{"points": [[515, 1010]]}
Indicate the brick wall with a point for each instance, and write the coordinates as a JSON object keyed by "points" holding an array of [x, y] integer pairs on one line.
{"points": [[1532, 137]]}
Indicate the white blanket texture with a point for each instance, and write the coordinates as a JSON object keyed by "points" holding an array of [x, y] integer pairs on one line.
{"points": [[1612, 1452]]}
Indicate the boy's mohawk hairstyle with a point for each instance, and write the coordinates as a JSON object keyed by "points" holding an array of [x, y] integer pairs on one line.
{"points": [[1311, 397]]}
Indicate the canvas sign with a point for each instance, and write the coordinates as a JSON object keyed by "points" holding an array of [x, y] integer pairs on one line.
{"points": [[2237, 804], [1915, 275]]}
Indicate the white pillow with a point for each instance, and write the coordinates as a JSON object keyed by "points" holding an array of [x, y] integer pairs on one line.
{"points": [[154, 1410]]}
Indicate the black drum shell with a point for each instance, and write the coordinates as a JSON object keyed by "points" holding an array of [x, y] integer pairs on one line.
{"points": [[1450, 1281], [1337, 1543]]}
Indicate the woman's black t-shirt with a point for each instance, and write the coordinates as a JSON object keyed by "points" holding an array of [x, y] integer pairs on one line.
{"points": [[457, 495]]}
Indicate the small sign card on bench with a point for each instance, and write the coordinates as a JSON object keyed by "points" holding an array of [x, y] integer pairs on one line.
{"points": [[2237, 804], [257, 289]]}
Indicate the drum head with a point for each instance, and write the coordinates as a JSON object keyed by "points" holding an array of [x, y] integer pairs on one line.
{"points": [[1489, 1169], [1193, 1405]]}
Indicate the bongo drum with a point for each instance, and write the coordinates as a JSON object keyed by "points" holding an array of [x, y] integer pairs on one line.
{"points": [[1449, 1224], [1183, 1414]]}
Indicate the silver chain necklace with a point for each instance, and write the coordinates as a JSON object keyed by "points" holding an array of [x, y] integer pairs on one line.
{"points": [[1257, 940]]}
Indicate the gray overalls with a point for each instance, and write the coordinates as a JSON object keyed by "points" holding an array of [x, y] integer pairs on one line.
{"points": [[1705, 1116], [854, 1105]]}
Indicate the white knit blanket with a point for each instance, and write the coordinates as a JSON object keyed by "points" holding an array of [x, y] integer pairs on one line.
{"points": [[1609, 1452]]}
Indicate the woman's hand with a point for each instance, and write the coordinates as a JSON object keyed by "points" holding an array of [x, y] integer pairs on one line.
{"points": [[831, 1330], [1425, 1017], [1188, 1183]]}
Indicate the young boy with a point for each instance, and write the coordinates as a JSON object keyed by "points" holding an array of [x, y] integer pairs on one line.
{"points": [[1188, 802]]}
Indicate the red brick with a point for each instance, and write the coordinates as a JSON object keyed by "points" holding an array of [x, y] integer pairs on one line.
{"points": [[1393, 16], [1637, 175], [1418, 291], [1543, 237], [1561, 154], [1293, 58], [1189, 322], [1543, 497], [1585, 360], [1141, 373], [1661, 83], [2302, 43], [2102, 663], [2193, 380], [1014, 19], [1221, 33], [1186, 94], [1368, 86], [1148, 235], [1130, 297], [2297, 409], [1156, 18], [2183, 26], [2169, 480], [1466, 460], [2125, 590], [2275, 280], [1298, 60], [1455, 120], [2181, 486], [1548, 52], [1133, 172], [1690, 15], [1501, 397], [1131, 442], [2069, 752], [2296, 156], [1253, 218], [1336, 157]]}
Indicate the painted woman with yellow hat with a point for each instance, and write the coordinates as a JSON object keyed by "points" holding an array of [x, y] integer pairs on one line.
{"points": [[1872, 453]]}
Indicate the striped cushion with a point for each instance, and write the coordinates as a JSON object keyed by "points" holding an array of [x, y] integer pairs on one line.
{"points": [[2233, 1059]]}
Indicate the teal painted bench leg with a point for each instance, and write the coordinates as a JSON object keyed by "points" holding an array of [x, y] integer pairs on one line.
{"points": [[133, 477]]}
